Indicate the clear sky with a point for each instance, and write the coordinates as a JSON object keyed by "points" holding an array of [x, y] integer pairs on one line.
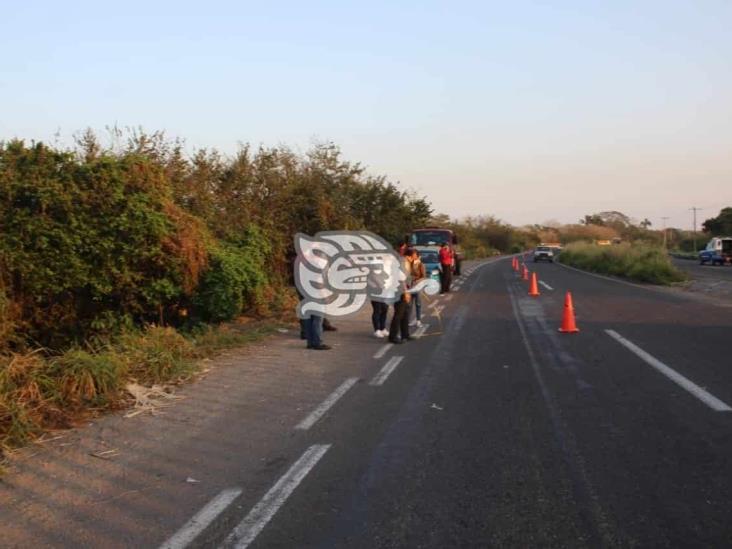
{"points": [[527, 110]]}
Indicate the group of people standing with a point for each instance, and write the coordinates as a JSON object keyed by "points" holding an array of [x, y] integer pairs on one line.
{"points": [[408, 306]]}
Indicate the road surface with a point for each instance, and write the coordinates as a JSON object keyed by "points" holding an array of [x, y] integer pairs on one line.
{"points": [[713, 281], [492, 429]]}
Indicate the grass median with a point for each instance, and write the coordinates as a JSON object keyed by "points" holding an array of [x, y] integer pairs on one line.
{"points": [[637, 262]]}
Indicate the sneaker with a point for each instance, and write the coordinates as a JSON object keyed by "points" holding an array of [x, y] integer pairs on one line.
{"points": [[379, 334], [384, 333], [419, 324], [395, 341], [414, 323]]}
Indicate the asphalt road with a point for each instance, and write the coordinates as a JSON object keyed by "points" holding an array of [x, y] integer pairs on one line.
{"points": [[707, 271], [493, 429]]}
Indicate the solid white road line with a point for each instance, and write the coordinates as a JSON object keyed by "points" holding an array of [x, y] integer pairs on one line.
{"points": [[710, 400], [201, 520], [324, 406], [438, 310], [545, 285], [386, 371], [383, 350], [248, 529]]}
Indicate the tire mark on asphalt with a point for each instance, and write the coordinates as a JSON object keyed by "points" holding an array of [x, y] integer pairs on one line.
{"points": [[589, 509]]}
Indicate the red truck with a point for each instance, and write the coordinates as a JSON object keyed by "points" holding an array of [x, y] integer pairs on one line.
{"points": [[435, 236]]}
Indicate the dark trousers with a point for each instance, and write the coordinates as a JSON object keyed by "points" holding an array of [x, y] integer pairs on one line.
{"points": [[314, 330], [446, 278], [303, 328], [378, 316], [400, 320]]}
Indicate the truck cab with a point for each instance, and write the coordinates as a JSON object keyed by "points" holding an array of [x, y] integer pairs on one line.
{"points": [[435, 236], [717, 252]]}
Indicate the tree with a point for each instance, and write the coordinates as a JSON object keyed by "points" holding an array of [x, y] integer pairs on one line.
{"points": [[645, 223], [720, 225]]}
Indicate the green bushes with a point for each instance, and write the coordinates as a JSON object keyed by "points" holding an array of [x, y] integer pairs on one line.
{"points": [[639, 262], [96, 245], [235, 278], [96, 239]]}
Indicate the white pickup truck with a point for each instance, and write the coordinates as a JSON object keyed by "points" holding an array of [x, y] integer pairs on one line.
{"points": [[543, 253]]}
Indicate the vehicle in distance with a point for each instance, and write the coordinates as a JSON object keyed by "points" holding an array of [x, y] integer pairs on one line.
{"points": [[717, 252], [429, 255], [435, 236], [543, 253]]}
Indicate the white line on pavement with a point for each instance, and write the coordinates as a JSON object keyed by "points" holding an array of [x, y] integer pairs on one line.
{"points": [[710, 400], [438, 310], [201, 520], [419, 332], [248, 529], [324, 406], [383, 350], [545, 285], [386, 371]]}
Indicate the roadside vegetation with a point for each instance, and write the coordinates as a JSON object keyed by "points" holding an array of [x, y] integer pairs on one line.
{"points": [[130, 261], [41, 390], [639, 262]]}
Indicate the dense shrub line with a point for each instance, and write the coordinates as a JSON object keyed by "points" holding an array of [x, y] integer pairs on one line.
{"points": [[639, 262], [94, 240], [117, 263]]}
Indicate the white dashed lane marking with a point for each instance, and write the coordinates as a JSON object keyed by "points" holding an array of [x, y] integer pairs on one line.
{"points": [[250, 527], [201, 520], [324, 406], [383, 350], [386, 371]]}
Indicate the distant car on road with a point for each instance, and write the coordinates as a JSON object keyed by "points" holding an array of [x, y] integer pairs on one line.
{"points": [[431, 259], [717, 252], [543, 253]]}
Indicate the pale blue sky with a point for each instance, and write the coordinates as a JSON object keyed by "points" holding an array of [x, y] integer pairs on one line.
{"points": [[527, 110]]}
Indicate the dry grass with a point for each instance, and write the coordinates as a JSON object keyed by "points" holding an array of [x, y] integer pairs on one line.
{"points": [[41, 391]]}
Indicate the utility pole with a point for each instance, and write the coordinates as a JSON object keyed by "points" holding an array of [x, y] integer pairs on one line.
{"points": [[664, 231], [695, 209]]}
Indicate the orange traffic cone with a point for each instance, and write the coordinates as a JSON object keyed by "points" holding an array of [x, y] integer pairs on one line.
{"points": [[568, 323], [533, 287], [525, 275], [515, 264]]}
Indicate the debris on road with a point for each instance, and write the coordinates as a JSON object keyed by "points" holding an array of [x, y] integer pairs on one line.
{"points": [[149, 399], [107, 454]]}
